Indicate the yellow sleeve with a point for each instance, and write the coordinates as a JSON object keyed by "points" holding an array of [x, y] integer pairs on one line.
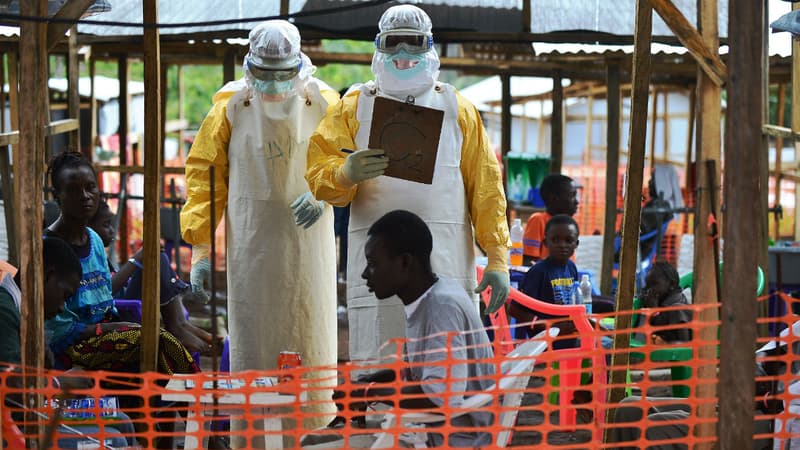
{"points": [[484, 186], [330, 96], [210, 147], [336, 131]]}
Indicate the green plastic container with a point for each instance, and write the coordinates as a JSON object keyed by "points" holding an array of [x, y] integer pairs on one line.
{"points": [[524, 173]]}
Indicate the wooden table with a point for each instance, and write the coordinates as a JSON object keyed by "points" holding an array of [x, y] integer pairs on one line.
{"points": [[265, 404]]}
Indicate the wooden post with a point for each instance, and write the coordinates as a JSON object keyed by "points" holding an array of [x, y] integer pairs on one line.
{"points": [[557, 125], [5, 160], [164, 68], [689, 148], [744, 185], [93, 108], [229, 67], [779, 156], [73, 94], [123, 74], [587, 156], [152, 189], [613, 106], [665, 118], [28, 165], [654, 119], [705, 272], [505, 129], [640, 93], [796, 120], [181, 116]]}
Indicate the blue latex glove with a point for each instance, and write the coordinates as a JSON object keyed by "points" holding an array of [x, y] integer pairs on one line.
{"points": [[200, 276], [307, 210], [500, 284]]}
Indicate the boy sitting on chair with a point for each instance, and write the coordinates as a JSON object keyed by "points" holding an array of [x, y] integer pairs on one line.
{"points": [[551, 280], [441, 323]]}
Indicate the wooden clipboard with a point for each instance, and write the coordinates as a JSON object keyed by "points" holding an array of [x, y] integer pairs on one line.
{"points": [[410, 136]]}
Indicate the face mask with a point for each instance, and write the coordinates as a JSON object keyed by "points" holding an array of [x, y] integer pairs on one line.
{"points": [[405, 74], [272, 87]]}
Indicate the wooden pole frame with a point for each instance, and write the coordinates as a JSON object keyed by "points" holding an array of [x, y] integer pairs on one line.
{"points": [[28, 184], [633, 204], [708, 147], [557, 126], [613, 123], [152, 190], [744, 185]]}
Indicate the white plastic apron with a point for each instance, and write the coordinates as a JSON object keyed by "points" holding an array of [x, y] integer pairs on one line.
{"points": [[442, 205], [281, 277]]}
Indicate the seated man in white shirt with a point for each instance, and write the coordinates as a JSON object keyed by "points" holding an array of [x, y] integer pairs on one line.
{"points": [[442, 324]]}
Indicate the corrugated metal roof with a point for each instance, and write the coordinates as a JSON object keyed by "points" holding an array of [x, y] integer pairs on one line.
{"points": [[183, 11], [609, 17]]}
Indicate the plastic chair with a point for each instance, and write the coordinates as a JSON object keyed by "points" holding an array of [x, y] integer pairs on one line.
{"points": [[570, 360], [516, 368], [677, 354], [645, 261], [687, 280]]}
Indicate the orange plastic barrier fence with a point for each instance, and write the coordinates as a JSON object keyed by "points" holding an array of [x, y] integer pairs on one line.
{"points": [[517, 399]]}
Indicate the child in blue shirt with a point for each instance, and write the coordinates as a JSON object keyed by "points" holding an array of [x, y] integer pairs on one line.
{"points": [[551, 279]]}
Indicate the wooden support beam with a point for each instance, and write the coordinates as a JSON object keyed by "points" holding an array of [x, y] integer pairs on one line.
{"points": [[123, 102], [73, 94], [689, 149], [779, 157], [744, 186], [653, 120], [505, 127], [707, 56], [13, 99], [780, 131], [138, 169], [6, 175], [65, 19], [626, 282], [55, 127], [705, 271], [28, 163], [613, 124], [796, 118], [152, 188], [557, 126], [92, 109], [229, 67]]}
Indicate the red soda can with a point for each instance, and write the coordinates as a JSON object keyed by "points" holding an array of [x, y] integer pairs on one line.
{"points": [[287, 361]]}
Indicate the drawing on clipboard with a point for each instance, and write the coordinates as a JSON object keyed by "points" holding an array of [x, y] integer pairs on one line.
{"points": [[410, 136]]}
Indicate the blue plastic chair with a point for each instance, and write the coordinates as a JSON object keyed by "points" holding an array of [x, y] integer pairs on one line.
{"points": [[645, 261]]}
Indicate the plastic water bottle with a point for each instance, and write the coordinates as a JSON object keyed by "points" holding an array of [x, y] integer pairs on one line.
{"points": [[515, 254], [575, 296], [585, 289]]}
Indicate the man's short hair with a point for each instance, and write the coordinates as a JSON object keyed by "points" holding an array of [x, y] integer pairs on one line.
{"points": [[561, 219], [404, 232], [552, 185], [59, 256]]}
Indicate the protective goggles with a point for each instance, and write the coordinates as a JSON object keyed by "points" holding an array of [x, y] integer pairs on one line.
{"points": [[266, 74], [412, 41]]}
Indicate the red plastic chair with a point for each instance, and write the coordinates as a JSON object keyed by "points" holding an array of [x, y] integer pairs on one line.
{"points": [[569, 359]]}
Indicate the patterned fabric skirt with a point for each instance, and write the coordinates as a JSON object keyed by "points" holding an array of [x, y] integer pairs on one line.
{"points": [[119, 351]]}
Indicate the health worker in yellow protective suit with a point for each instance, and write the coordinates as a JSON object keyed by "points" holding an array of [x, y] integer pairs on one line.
{"points": [[466, 192], [280, 244]]}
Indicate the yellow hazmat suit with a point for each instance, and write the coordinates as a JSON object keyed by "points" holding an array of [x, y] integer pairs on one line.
{"points": [[467, 190], [281, 276]]}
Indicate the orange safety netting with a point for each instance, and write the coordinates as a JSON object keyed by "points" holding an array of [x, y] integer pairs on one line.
{"points": [[527, 397]]}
